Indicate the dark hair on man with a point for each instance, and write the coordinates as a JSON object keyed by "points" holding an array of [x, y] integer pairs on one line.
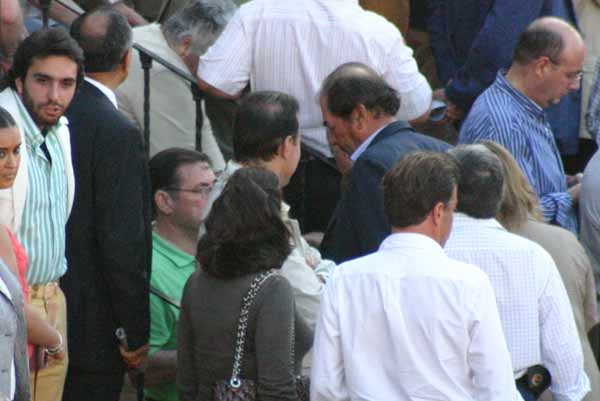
{"points": [[538, 40], [262, 122], [244, 230], [354, 83], [105, 37], [164, 166], [417, 183], [481, 184], [6, 119], [40, 45], [202, 20]]}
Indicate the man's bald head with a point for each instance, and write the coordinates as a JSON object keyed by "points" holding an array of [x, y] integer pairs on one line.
{"points": [[354, 83], [546, 37], [105, 37]]}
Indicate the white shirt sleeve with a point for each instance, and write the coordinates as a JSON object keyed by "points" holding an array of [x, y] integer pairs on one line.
{"points": [[226, 65], [402, 73], [561, 349], [327, 382], [488, 354]]}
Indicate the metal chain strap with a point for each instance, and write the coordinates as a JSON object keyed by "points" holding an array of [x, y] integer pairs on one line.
{"points": [[238, 357]]}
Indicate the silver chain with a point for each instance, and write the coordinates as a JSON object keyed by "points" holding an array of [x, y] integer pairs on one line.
{"points": [[238, 357]]}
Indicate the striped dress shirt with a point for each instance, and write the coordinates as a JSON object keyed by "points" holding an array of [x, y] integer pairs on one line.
{"points": [[45, 214], [592, 115], [292, 45], [506, 116], [534, 308]]}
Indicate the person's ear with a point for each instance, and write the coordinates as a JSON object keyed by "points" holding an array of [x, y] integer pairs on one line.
{"points": [[358, 117], [126, 61], [541, 65], [19, 86], [286, 147], [164, 202], [437, 214]]}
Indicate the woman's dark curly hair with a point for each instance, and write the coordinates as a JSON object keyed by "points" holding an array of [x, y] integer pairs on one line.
{"points": [[244, 230]]}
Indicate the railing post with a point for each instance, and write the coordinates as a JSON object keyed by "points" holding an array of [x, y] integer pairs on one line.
{"points": [[146, 61], [198, 96]]}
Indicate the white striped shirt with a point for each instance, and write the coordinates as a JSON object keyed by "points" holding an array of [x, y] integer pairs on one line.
{"points": [[532, 301], [45, 214], [292, 45]]}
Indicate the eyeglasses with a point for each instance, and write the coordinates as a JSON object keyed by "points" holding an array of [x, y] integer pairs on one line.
{"points": [[204, 190], [571, 76]]}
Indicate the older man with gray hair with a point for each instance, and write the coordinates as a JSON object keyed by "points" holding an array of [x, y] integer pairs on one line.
{"points": [[190, 31]]}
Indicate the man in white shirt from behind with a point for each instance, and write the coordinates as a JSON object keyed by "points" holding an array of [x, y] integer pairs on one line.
{"points": [[407, 322], [537, 319]]}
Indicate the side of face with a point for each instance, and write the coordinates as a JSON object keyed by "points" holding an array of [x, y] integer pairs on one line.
{"points": [[444, 216], [562, 77], [340, 132], [290, 151], [188, 205], [48, 88], [10, 156]]}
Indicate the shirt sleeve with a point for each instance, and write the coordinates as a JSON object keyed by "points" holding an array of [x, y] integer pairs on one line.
{"points": [[162, 323], [327, 372], [488, 354], [306, 286], [492, 49], [403, 75], [227, 63], [273, 340], [560, 347], [592, 115]]}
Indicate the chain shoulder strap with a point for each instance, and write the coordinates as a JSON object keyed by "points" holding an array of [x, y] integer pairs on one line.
{"points": [[238, 357]]}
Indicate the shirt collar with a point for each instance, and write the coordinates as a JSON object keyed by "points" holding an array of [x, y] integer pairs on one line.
{"points": [[32, 132], [104, 89], [522, 100], [168, 250], [410, 240], [463, 219], [364, 146]]}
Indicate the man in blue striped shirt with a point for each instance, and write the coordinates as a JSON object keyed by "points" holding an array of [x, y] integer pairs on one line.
{"points": [[546, 66]]}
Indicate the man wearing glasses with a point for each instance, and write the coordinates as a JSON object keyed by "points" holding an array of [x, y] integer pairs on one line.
{"points": [[547, 65], [181, 183]]}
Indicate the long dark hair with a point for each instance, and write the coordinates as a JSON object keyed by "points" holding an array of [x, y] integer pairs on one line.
{"points": [[244, 230]]}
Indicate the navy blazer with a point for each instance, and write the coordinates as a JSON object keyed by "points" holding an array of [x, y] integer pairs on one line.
{"points": [[108, 235], [359, 224], [472, 39]]}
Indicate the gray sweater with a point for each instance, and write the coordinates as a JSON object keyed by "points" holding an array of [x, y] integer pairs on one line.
{"points": [[207, 333]]}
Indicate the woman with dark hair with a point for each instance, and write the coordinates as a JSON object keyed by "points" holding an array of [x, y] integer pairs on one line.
{"points": [[39, 332], [245, 238], [519, 213]]}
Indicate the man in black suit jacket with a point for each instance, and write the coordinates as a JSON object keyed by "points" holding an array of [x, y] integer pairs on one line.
{"points": [[109, 233], [358, 109]]}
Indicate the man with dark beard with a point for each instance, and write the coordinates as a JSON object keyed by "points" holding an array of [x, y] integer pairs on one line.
{"points": [[47, 68]]}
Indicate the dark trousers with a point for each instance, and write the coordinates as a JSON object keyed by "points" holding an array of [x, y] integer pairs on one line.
{"points": [[576, 163], [81, 386], [313, 192]]}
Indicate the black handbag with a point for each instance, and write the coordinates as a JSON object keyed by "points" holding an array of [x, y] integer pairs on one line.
{"points": [[236, 388]]}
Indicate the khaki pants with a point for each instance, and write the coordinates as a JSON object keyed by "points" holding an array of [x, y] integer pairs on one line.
{"points": [[50, 301]]}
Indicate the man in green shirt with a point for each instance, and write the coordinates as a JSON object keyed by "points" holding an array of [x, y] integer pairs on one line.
{"points": [[181, 181]]}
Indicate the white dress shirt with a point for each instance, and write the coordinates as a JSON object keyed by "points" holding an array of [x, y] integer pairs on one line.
{"points": [[292, 45], [408, 323], [534, 307]]}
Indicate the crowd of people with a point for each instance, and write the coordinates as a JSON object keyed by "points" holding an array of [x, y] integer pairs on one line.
{"points": [[373, 209]]}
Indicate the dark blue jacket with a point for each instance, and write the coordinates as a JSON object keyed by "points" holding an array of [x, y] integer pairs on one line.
{"points": [[472, 39], [359, 223]]}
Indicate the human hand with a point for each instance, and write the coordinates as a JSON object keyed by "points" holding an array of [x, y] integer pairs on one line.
{"points": [[453, 113], [574, 192], [134, 359], [440, 94]]}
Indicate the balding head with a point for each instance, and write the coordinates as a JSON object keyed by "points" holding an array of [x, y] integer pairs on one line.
{"points": [[352, 84], [546, 37], [105, 37]]}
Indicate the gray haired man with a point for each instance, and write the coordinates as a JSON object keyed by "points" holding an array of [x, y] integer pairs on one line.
{"points": [[190, 31]]}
